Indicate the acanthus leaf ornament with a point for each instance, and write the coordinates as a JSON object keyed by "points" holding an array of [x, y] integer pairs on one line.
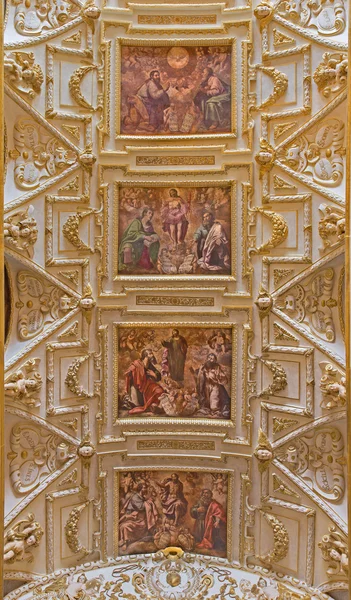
{"points": [[35, 454], [38, 155], [319, 458], [32, 18], [318, 153], [311, 303]]}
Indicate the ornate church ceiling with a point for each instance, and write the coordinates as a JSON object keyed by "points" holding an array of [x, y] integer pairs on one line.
{"points": [[174, 228]]}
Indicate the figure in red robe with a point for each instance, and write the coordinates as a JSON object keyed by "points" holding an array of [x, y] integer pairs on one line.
{"points": [[141, 383], [210, 529]]}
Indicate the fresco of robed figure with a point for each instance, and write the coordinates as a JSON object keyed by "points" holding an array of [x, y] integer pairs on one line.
{"points": [[174, 230], [158, 509], [175, 90], [174, 372]]}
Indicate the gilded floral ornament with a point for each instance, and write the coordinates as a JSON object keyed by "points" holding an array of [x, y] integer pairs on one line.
{"points": [[86, 449], [22, 73], [70, 230], [281, 540], [20, 539], [280, 380], [20, 231], [280, 230], [90, 13], [280, 85], [71, 530], [72, 377], [263, 451], [74, 85]]}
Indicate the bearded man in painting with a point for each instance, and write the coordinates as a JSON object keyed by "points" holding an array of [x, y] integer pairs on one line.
{"points": [[174, 503], [146, 108], [212, 245], [210, 522], [140, 244], [213, 100], [138, 517], [141, 383]]}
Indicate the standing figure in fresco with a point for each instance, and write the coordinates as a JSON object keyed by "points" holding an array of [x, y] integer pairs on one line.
{"points": [[211, 380], [213, 100], [140, 244], [210, 529], [174, 503], [174, 219], [176, 349], [141, 378], [138, 517], [146, 108], [212, 245]]}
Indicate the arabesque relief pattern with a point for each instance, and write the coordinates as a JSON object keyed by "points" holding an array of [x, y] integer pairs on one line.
{"points": [[175, 393]]}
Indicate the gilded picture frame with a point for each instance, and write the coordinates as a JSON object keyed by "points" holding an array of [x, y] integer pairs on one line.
{"points": [[118, 471], [192, 42], [228, 423], [232, 277]]}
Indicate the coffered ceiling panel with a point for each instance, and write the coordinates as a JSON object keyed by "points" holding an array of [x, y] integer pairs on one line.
{"points": [[175, 391]]}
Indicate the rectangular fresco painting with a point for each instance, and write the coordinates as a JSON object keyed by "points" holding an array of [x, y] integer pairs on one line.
{"points": [[175, 90], [174, 372], [174, 230], [158, 509]]}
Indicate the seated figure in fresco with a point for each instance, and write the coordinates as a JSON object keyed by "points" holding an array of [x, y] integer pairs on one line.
{"points": [[174, 219], [213, 100], [138, 517], [141, 383], [212, 245], [140, 244], [146, 108], [210, 522]]}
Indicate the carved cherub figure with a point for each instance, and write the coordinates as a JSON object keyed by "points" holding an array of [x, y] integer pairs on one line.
{"points": [[20, 230], [332, 386], [331, 74], [25, 534], [332, 225], [22, 73], [24, 385], [263, 451], [334, 549]]}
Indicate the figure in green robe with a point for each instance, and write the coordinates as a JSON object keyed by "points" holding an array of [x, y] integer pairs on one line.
{"points": [[139, 245]]}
